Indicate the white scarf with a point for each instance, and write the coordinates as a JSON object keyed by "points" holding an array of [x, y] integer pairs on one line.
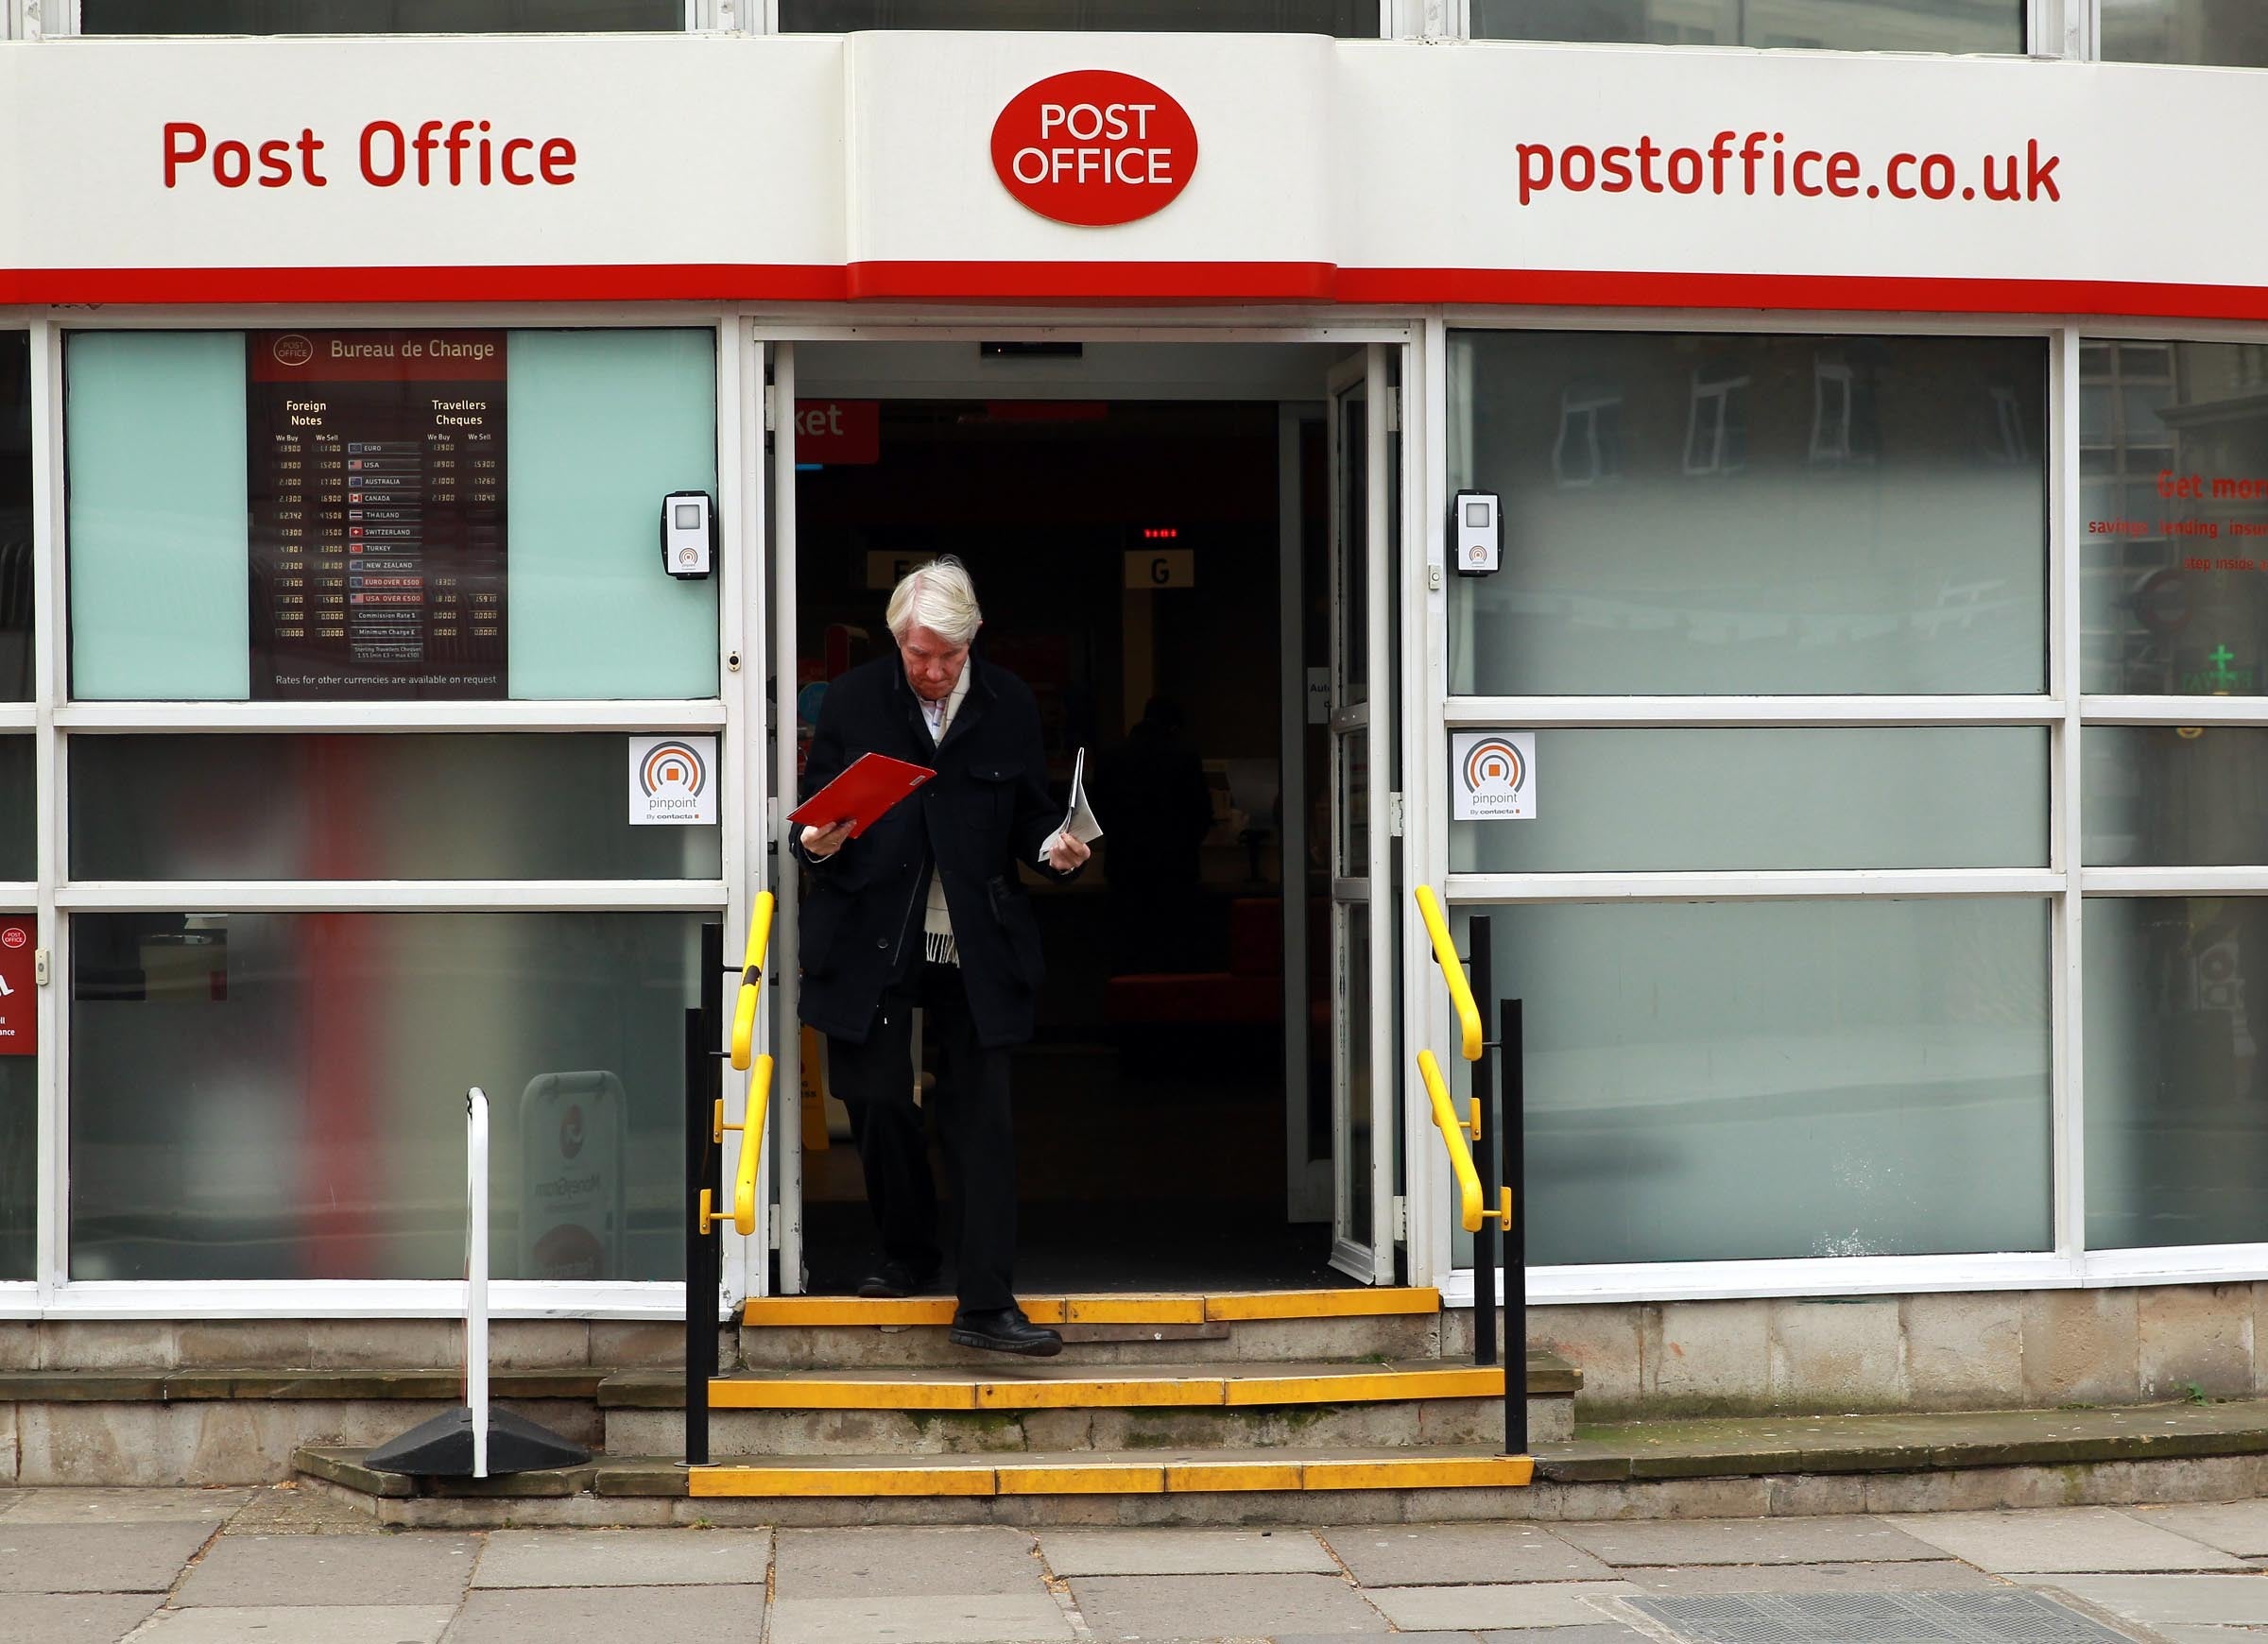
{"points": [[937, 945]]}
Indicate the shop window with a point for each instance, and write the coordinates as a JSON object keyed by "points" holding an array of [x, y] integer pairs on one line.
{"points": [[1590, 447], [15, 518], [1764, 799], [2174, 467], [1921, 571], [19, 1158], [2176, 797], [2228, 33], [278, 1096], [316, 515], [1721, 1081], [380, 16], [18, 837], [459, 806], [2177, 1069], [1963, 26], [1353, 19]]}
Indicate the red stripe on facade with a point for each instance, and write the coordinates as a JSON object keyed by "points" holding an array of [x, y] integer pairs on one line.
{"points": [[1133, 282]]}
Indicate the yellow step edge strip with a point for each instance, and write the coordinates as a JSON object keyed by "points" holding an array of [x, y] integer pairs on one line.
{"points": [[1102, 1392], [1115, 1478], [810, 1311]]}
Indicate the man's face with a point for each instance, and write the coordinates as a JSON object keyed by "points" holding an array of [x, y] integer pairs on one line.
{"points": [[932, 667]]}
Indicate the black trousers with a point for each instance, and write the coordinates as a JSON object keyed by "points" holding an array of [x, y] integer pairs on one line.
{"points": [[875, 1081]]}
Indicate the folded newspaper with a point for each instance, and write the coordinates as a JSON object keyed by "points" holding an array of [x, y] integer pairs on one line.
{"points": [[1079, 820]]}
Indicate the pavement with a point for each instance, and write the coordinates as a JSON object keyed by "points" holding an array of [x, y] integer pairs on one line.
{"points": [[294, 1565]]}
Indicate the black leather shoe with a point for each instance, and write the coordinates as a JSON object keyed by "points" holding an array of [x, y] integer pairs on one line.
{"points": [[894, 1278], [1005, 1330]]}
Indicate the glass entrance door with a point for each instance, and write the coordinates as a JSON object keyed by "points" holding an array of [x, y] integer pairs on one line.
{"points": [[1362, 925]]}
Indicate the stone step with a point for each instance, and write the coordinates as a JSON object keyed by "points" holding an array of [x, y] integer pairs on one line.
{"points": [[1911, 1461], [819, 1333], [1011, 1407]]}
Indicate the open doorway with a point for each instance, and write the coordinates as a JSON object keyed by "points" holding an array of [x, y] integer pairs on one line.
{"points": [[1158, 570]]}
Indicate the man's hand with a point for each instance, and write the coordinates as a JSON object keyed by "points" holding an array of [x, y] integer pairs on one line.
{"points": [[1065, 853], [825, 841]]}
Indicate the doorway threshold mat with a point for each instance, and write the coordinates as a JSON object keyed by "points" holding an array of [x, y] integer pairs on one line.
{"points": [[2010, 1618]]}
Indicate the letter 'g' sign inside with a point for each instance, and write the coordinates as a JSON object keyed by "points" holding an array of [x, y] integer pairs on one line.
{"points": [[1094, 148]]}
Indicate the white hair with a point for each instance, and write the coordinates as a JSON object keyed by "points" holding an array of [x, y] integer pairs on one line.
{"points": [[937, 597]]}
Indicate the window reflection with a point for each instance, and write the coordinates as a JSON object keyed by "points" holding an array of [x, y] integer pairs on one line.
{"points": [[380, 16], [2173, 486], [2231, 33], [1966, 25], [15, 518]]}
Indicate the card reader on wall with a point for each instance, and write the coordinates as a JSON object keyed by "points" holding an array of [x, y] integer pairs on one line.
{"points": [[1476, 538], [688, 536]]}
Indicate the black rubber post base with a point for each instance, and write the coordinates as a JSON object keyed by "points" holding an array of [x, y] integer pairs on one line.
{"points": [[442, 1447]]}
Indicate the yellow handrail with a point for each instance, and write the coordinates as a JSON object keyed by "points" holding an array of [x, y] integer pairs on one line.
{"points": [[751, 1147], [1470, 1214], [752, 984], [1452, 971]]}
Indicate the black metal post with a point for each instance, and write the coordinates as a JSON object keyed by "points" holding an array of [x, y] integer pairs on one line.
{"points": [[1483, 1087], [704, 1083], [1511, 1126]]}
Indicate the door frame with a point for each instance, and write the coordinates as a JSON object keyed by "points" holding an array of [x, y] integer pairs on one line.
{"points": [[770, 544]]}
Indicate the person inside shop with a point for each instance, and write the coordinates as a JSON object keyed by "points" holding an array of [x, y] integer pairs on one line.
{"points": [[925, 910]]}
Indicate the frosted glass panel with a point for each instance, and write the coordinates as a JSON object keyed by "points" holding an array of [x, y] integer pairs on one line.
{"points": [[378, 16], [281, 1096], [1707, 514], [19, 1164], [15, 517], [369, 807], [2231, 33], [1632, 800], [1723, 1081], [2158, 797], [1993, 25], [2174, 488], [2176, 1080], [19, 843], [605, 424], [155, 436]]}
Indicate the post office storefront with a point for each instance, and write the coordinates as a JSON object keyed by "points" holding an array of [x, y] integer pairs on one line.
{"points": [[1879, 442]]}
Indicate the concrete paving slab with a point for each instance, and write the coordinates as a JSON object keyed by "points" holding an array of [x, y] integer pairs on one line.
{"points": [[1606, 1633], [973, 1619], [2062, 1538], [283, 1509], [558, 1615], [2225, 1600], [1135, 1552], [256, 1571], [1659, 1542], [61, 1506], [9, 1499], [2211, 1635], [70, 1618], [96, 1558], [297, 1624], [1459, 1637], [1424, 1555], [826, 1564], [1534, 1604], [624, 1558], [2238, 1527], [1913, 1576], [1201, 1606]]}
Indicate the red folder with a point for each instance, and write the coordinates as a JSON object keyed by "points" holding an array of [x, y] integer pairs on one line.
{"points": [[861, 794]]}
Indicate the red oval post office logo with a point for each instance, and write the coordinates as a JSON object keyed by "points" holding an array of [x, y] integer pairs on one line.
{"points": [[13, 936], [1094, 148]]}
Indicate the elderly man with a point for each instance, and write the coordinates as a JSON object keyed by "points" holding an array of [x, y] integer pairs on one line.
{"points": [[925, 909]]}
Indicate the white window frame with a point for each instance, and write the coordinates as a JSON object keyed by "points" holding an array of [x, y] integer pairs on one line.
{"points": [[733, 715]]}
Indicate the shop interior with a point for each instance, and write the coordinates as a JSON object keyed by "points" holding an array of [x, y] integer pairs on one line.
{"points": [[1134, 559]]}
